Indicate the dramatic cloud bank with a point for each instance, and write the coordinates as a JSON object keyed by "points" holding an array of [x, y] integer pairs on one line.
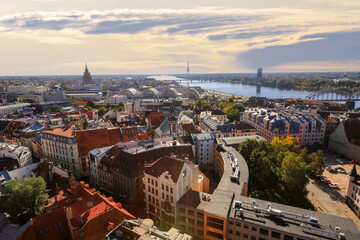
{"points": [[156, 41]]}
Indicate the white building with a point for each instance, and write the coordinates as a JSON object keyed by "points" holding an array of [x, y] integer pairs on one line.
{"points": [[165, 182], [116, 99], [26, 89], [10, 109], [95, 158], [20, 153], [60, 146], [86, 96], [204, 147]]}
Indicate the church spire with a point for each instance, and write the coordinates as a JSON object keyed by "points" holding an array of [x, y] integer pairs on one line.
{"points": [[353, 172]]}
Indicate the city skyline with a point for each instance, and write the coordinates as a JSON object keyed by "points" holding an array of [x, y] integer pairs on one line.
{"points": [[50, 37]]}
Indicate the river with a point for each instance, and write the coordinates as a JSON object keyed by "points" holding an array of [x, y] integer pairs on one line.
{"points": [[249, 90]]}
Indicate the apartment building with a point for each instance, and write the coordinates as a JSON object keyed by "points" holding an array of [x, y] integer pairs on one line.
{"points": [[353, 191], [12, 108], [165, 181], [21, 154], [308, 128], [59, 145], [119, 170], [204, 147]]}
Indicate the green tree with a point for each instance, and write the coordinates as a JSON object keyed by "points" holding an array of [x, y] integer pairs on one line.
{"points": [[71, 99], [101, 111], [247, 147], [233, 111], [316, 165], [55, 108], [121, 106], [293, 175], [90, 104], [24, 200], [108, 106]]}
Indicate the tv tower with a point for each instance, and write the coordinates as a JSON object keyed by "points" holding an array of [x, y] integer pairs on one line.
{"points": [[188, 73]]}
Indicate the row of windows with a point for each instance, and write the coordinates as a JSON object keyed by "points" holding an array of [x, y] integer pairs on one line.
{"points": [[262, 231]]}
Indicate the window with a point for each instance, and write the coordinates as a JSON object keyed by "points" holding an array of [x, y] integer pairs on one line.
{"points": [[264, 231], [167, 188], [171, 190], [246, 225], [287, 237], [162, 186], [230, 231], [245, 235], [254, 228], [253, 237], [237, 233], [275, 235], [231, 222], [238, 224]]}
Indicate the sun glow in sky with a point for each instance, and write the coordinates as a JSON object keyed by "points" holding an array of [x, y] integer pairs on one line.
{"points": [[158, 36]]}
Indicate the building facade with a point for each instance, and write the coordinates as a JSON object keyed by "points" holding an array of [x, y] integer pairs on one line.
{"points": [[204, 148], [59, 145], [165, 181], [307, 128]]}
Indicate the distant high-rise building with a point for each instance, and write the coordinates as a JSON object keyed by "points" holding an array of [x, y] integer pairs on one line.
{"points": [[87, 79], [259, 75]]}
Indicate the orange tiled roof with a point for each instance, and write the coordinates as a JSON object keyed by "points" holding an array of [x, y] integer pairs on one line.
{"points": [[91, 216], [97, 138], [156, 118], [64, 132], [169, 164]]}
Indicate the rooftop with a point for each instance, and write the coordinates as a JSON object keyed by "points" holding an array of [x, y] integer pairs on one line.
{"points": [[298, 221]]}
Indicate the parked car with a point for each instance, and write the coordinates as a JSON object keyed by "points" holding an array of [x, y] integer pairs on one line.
{"points": [[333, 185], [339, 161], [352, 162], [330, 169], [340, 170], [327, 182], [321, 178]]}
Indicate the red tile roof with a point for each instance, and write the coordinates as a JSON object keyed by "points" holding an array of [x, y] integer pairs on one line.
{"points": [[52, 225], [64, 132], [87, 214], [97, 138], [129, 162], [166, 164], [156, 118]]}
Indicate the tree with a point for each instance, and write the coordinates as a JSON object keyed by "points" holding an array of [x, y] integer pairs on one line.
{"points": [[55, 108], [317, 164], [24, 200], [121, 106], [293, 175], [247, 147], [108, 106], [90, 104], [71, 99], [101, 111], [233, 111]]}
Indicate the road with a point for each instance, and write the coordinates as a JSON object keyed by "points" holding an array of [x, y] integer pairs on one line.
{"points": [[330, 201]]}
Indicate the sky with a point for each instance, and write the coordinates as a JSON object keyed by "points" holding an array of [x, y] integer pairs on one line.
{"points": [[51, 37]]}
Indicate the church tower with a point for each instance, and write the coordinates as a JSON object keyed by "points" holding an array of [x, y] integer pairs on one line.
{"points": [[87, 79]]}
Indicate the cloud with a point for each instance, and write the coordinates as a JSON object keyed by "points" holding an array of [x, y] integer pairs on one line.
{"points": [[340, 46], [216, 39]]}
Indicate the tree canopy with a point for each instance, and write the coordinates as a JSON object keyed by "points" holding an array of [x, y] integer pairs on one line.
{"points": [[24, 200], [90, 104], [101, 111], [55, 108], [233, 111], [279, 170]]}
